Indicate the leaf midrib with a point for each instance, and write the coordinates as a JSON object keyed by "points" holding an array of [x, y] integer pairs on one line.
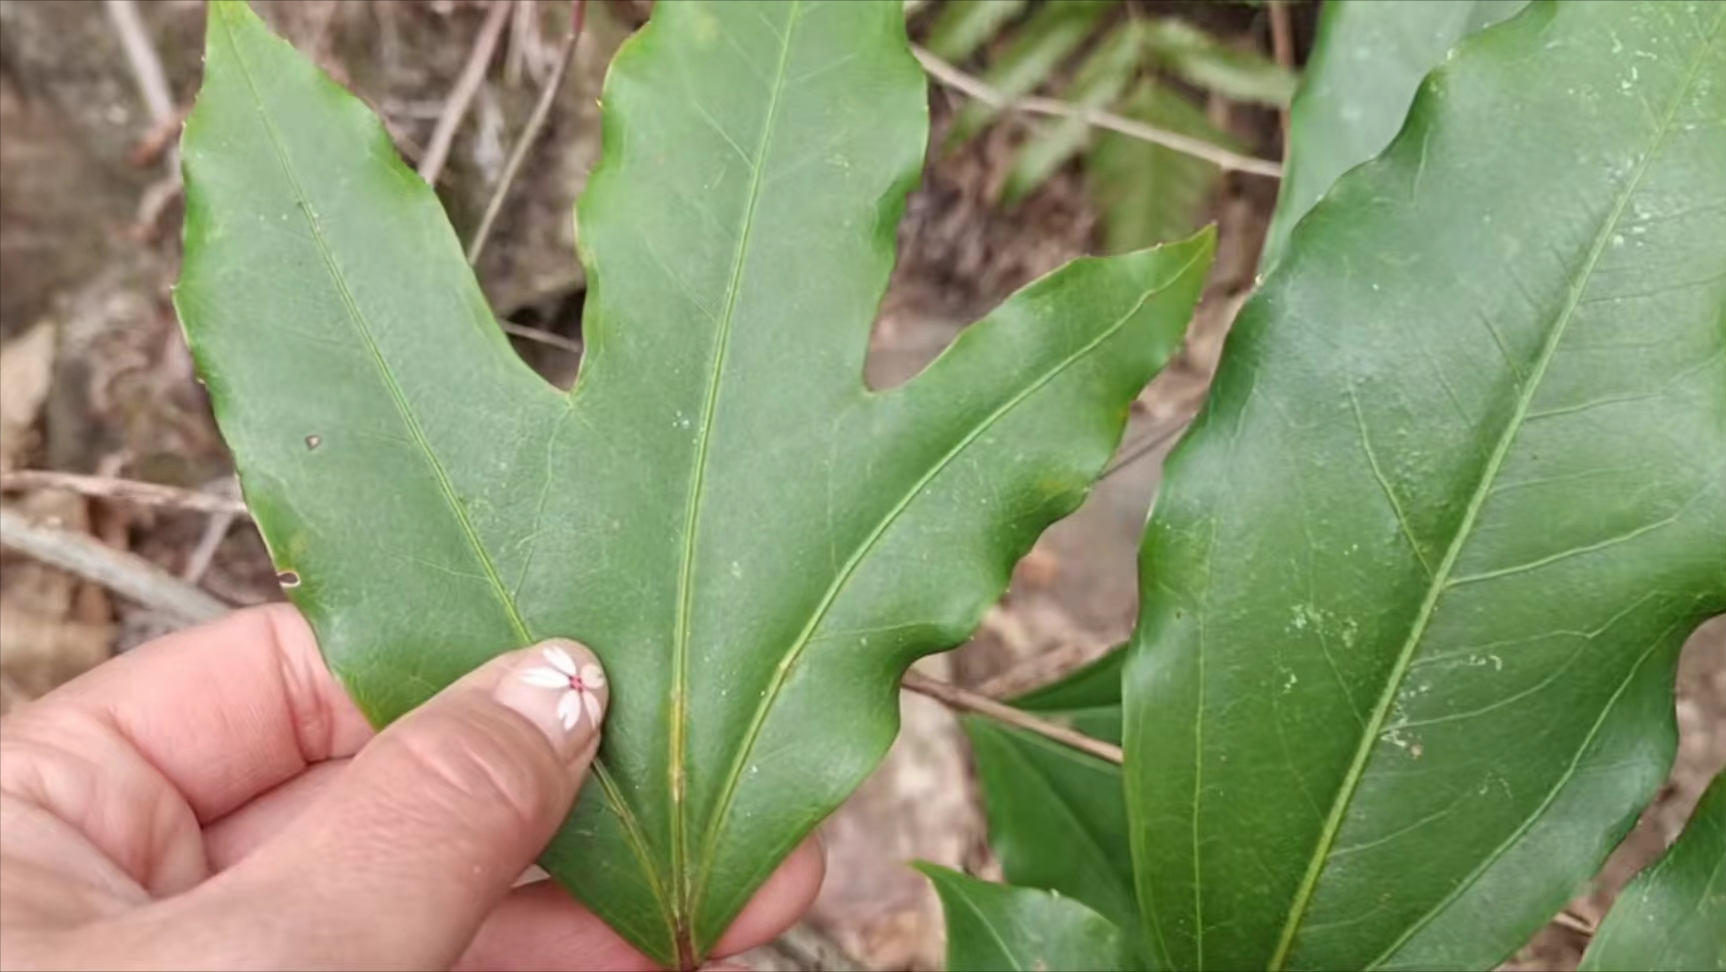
{"points": [[677, 738], [1477, 501], [614, 796], [782, 671]]}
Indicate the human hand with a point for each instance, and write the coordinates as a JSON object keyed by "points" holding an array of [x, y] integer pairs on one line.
{"points": [[214, 800]]}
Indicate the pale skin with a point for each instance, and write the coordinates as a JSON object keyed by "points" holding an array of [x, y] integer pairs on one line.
{"points": [[214, 800]]}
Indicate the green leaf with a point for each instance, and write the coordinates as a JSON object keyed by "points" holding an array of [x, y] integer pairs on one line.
{"points": [[1057, 816], [1673, 915], [1038, 49], [1149, 194], [755, 543], [1360, 77], [1200, 59], [995, 927], [1099, 81], [1417, 579], [965, 25]]}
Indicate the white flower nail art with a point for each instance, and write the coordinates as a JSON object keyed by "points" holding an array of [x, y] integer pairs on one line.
{"points": [[580, 685]]}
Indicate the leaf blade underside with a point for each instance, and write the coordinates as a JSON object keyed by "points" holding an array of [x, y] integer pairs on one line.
{"points": [[753, 542], [1416, 582]]}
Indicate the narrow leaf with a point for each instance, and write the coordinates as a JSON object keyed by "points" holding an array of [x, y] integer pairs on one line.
{"points": [[1149, 194], [1672, 917], [1416, 581], [1098, 82], [1037, 50], [965, 25], [1200, 59], [995, 927], [1359, 79], [755, 543]]}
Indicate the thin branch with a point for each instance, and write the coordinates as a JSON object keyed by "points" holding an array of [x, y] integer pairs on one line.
{"points": [[215, 531], [147, 70], [1282, 48], [1146, 446], [543, 337], [1221, 157], [130, 576], [968, 701], [530, 134], [124, 490], [460, 96]]}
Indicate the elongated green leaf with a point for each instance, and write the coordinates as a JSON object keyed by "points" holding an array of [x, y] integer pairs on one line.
{"points": [[1417, 579], [1195, 56], [1672, 917], [996, 927], [965, 25], [1099, 81], [1057, 816], [1365, 64], [755, 543], [1149, 194], [1036, 52]]}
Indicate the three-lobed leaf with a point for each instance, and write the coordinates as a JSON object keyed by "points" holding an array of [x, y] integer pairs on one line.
{"points": [[754, 542], [1365, 64], [1416, 581], [995, 928], [1672, 916]]}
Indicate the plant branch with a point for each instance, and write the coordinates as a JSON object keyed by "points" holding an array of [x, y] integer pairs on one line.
{"points": [[455, 107], [1198, 148], [530, 134], [1147, 445], [146, 65], [968, 701], [124, 490], [543, 337], [130, 576], [1282, 48]]}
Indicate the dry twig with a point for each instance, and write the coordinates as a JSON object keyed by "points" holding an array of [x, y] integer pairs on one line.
{"points": [[130, 576], [543, 337], [146, 64], [1282, 48], [1147, 445], [1198, 148], [460, 96], [125, 490], [955, 697], [529, 134]]}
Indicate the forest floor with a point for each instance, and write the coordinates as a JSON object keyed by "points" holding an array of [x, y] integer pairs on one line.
{"points": [[95, 379]]}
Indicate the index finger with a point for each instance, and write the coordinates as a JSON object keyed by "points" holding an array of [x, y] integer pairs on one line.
{"points": [[225, 711]]}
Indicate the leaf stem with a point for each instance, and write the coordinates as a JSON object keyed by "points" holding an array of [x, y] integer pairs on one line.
{"points": [[1198, 148], [966, 700]]}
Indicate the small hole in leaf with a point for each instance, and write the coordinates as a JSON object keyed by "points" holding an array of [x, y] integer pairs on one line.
{"points": [[313, 441], [288, 579]]}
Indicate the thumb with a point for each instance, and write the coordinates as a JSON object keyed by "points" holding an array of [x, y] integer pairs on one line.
{"points": [[423, 834]]}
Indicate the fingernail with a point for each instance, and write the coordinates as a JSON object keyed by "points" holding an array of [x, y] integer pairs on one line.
{"points": [[559, 686]]}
